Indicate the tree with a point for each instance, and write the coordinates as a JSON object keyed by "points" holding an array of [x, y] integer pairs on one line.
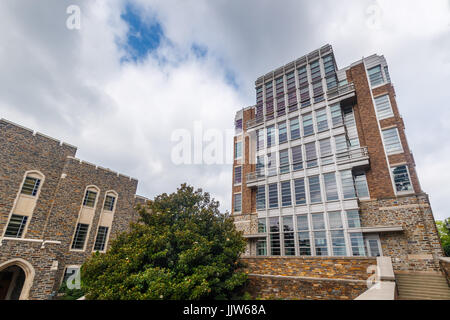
{"points": [[182, 248], [444, 233]]}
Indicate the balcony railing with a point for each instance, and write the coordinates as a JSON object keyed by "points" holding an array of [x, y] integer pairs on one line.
{"points": [[352, 155], [340, 90], [255, 176]]}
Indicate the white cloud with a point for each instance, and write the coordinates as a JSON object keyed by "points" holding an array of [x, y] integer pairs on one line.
{"points": [[71, 85]]}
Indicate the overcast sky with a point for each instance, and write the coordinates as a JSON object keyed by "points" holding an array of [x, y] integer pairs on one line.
{"points": [[135, 71]]}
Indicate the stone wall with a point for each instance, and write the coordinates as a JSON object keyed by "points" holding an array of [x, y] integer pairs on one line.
{"points": [[296, 288], [354, 268], [417, 247]]}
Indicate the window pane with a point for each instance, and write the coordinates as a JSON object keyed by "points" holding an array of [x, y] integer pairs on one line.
{"points": [[330, 186], [322, 121], [341, 143], [311, 155], [282, 132], [297, 158], [237, 175], [270, 136], [401, 179], [338, 243], [392, 140], [274, 229], [261, 198], [30, 186], [238, 202], [335, 220], [80, 236], [336, 115], [317, 221], [304, 244], [261, 247], [357, 244], [362, 189], [308, 127], [89, 198], [100, 241], [16, 226], [320, 241], [326, 153], [238, 150], [353, 219], [260, 139], [347, 184], [295, 128], [314, 189], [273, 196], [272, 168], [300, 196], [375, 75], [383, 106], [109, 203], [284, 161], [288, 234], [286, 194], [262, 225], [302, 223]]}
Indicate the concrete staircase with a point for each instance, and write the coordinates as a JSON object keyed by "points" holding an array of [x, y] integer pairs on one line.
{"points": [[422, 287]]}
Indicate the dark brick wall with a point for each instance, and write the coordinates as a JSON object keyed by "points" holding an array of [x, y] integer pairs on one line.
{"points": [[58, 206]]}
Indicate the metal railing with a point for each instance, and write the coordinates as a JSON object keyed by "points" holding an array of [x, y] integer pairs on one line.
{"points": [[352, 154], [340, 90]]}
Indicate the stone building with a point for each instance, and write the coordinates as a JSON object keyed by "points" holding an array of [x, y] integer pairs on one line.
{"points": [[55, 211], [323, 168]]}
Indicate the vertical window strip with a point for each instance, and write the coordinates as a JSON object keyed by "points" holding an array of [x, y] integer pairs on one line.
{"points": [[348, 187], [308, 126], [384, 107], [326, 153], [362, 190], [288, 236], [30, 186], [282, 132], [238, 150], [80, 236], [336, 115], [16, 226], [392, 140], [89, 198], [260, 139], [297, 158], [294, 125], [300, 194], [274, 233], [284, 161], [338, 243], [353, 220], [100, 241], [311, 154], [238, 175], [286, 194], [270, 136], [320, 242], [273, 195], [261, 198], [375, 76], [109, 203], [237, 202], [314, 189], [322, 121], [357, 244], [331, 186], [401, 179]]}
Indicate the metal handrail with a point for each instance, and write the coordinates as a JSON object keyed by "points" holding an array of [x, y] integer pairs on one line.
{"points": [[352, 154], [340, 90]]}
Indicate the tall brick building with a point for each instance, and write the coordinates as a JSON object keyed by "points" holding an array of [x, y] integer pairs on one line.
{"points": [[323, 168], [55, 210]]}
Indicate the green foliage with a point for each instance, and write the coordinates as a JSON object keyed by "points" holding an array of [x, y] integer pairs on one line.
{"points": [[182, 248], [444, 233]]}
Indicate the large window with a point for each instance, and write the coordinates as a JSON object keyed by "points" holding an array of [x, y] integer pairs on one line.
{"points": [[273, 195], [237, 202], [261, 198], [375, 76], [322, 121], [308, 127], [238, 150], [392, 141], [80, 236], [274, 233], [282, 132], [353, 220], [304, 243], [357, 244], [300, 195], [284, 161], [311, 155], [297, 158], [331, 186], [237, 175], [288, 236], [326, 154], [314, 189], [383, 106], [338, 243], [261, 244], [30, 186], [320, 238], [295, 128], [100, 241], [260, 139], [270, 136], [109, 203], [348, 187], [336, 115], [362, 190], [89, 198], [16, 226], [401, 179], [286, 194]]}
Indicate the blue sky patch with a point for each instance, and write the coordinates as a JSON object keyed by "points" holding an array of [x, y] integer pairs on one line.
{"points": [[143, 36]]}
